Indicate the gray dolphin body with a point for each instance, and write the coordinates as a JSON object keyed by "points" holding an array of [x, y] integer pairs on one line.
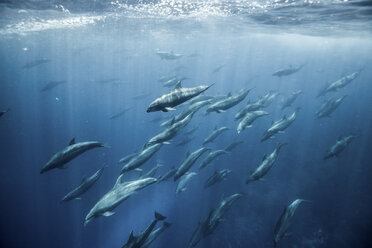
{"points": [[181, 186], [52, 85], [217, 177], [229, 102], [139, 240], [4, 111], [119, 193], [35, 63], [170, 132], [215, 217], [232, 146], [210, 157], [86, 184], [248, 108], [128, 157], [287, 71], [249, 118], [285, 221], [288, 101], [168, 174], [329, 107], [141, 157], [155, 234], [169, 55], [266, 164], [191, 109], [214, 134], [189, 161], [279, 126], [338, 84], [200, 98], [267, 99], [176, 97], [339, 146], [69, 153]]}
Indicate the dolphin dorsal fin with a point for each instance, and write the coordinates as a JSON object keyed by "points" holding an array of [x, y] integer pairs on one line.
{"points": [[72, 142], [228, 95], [272, 122], [131, 237], [285, 117], [264, 157], [178, 85], [83, 179]]}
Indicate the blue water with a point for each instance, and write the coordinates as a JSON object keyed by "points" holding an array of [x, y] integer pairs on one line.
{"points": [[117, 41]]}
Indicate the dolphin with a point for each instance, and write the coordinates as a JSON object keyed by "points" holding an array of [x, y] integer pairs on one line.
{"points": [[170, 132], [279, 126], [51, 85], [229, 102], [70, 152], [210, 157], [86, 183], [128, 157], [168, 174], [141, 157], [339, 146], [267, 99], [216, 132], [139, 240], [234, 144], [200, 98], [172, 82], [217, 177], [177, 96], [120, 113], [189, 161], [181, 186], [166, 78], [287, 71], [329, 107], [4, 111], [249, 118], [169, 55], [254, 106], [285, 220], [215, 217], [288, 102], [35, 63], [152, 172], [118, 194], [338, 84], [155, 234], [266, 164]]}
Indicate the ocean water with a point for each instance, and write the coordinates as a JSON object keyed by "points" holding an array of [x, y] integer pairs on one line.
{"points": [[103, 56]]}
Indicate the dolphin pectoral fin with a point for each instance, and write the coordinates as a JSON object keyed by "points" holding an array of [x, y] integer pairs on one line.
{"points": [[77, 198], [220, 111], [166, 143], [170, 109], [262, 180], [281, 132], [249, 126], [108, 213]]}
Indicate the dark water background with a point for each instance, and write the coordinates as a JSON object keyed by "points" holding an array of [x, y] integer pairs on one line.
{"points": [[88, 44]]}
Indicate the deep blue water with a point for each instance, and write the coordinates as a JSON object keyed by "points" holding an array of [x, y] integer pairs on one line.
{"points": [[88, 44]]}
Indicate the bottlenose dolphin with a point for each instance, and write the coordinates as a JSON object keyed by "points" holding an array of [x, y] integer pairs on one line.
{"points": [[86, 183], [139, 240], [128, 157], [210, 157], [70, 152], [155, 234], [169, 55], [229, 102], [52, 84], [217, 177], [119, 193], [328, 107], [177, 96], [4, 111], [338, 84], [214, 134], [35, 63], [285, 220], [288, 102], [248, 108], [267, 99], [249, 118], [266, 164], [339, 146], [279, 126], [215, 217], [234, 144], [170, 132], [287, 71], [189, 161], [181, 186], [141, 157]]}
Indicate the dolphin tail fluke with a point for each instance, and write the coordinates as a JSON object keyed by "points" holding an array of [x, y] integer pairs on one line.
{"points": [[159, 216]]}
